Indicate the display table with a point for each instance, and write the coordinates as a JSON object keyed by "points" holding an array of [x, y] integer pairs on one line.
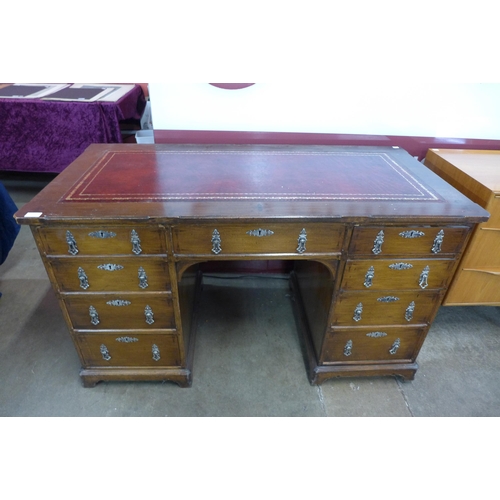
{"points": [[476, 173], [373, 235], [46, 136]]}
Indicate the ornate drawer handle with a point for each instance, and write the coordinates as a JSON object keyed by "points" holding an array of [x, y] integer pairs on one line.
{"points": [[136, 242], [376, 335], [260, 232], [148, 313], [102, 234], [156, 352], [216, 241], [400, 266], [377, 243], [388, 298], [369, 277], [110, 267], [94, 317], [424, 275], [348, 348], [395, 346], [84, 281], [143, 278], [127, 340], [409, 311], [72, 246], [118, 302], [302, 241], [438, 241], [105, 353], [357, 312], [411, 234]]}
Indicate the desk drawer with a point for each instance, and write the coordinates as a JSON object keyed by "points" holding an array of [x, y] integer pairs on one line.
{"points": [[113, 274], [407, 240], [101, 240], [129, 350], [372, 308], [364, 344], [385, 274], [260, 237], [120, 311]]}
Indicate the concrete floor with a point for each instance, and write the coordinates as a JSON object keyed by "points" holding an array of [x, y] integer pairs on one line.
{"points": [[252, 366]]}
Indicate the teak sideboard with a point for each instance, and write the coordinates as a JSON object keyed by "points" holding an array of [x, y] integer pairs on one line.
{"points": [[476, 173], [374, 237]]}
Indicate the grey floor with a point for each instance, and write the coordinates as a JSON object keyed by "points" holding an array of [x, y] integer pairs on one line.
{"points": [[248, 360]]}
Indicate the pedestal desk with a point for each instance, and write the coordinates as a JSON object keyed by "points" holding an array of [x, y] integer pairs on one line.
{"points": [[374, 237]]}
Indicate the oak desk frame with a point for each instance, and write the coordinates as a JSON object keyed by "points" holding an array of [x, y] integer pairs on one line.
{"points": [[374, 237]]}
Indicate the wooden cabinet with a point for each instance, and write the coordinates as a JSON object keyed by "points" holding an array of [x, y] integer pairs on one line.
{"points": [[371, 260], [476, 174]]}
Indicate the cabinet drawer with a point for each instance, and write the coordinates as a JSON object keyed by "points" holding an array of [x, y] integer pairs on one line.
{"points": [[385, 274], [258, 238], [120, 311], [475, 286], [372, 308], [114, 274], [407, 240], [129, 350], [483, 249], [99, 240], [365, 344]]}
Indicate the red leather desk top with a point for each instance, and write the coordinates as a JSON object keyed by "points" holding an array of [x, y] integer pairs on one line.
{"points": [[132, 181], [248, 175]]}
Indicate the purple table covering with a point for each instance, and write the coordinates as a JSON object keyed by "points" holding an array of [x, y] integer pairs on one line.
{"points": [[46, 136]]}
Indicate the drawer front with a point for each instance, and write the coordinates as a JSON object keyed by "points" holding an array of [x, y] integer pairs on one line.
{"points": [[397, 274], [120, 311], [475, 286], [113, 274], [364, 344], [129, 350], [372, 308], [258, 238], [99, 240], [483, 249], [407, 240]]}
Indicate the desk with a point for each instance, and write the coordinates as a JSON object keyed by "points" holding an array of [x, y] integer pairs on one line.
{"points": [[46, 136], [374, 237]]}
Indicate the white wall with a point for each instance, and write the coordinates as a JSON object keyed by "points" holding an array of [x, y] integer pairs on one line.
{"points": [[458, 110]]}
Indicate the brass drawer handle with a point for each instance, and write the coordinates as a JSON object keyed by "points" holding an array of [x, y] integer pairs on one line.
{"points": [[94, 317], [84, 281], [136, 242], [143, 278], [72, 246], [369, 277], [357, 312], [216, 242], [302, 241], [424, 275], [156, 352], [348, 348], [148, 313], [105, 353], [377, 243], [438, 241], [395, 346], [409, 311]]}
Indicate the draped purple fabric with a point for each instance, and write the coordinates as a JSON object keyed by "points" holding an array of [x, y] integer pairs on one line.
{"points": [[46, 136]]}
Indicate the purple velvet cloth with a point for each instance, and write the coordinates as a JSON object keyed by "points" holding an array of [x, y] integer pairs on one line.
{"points": [[46, 136]]}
